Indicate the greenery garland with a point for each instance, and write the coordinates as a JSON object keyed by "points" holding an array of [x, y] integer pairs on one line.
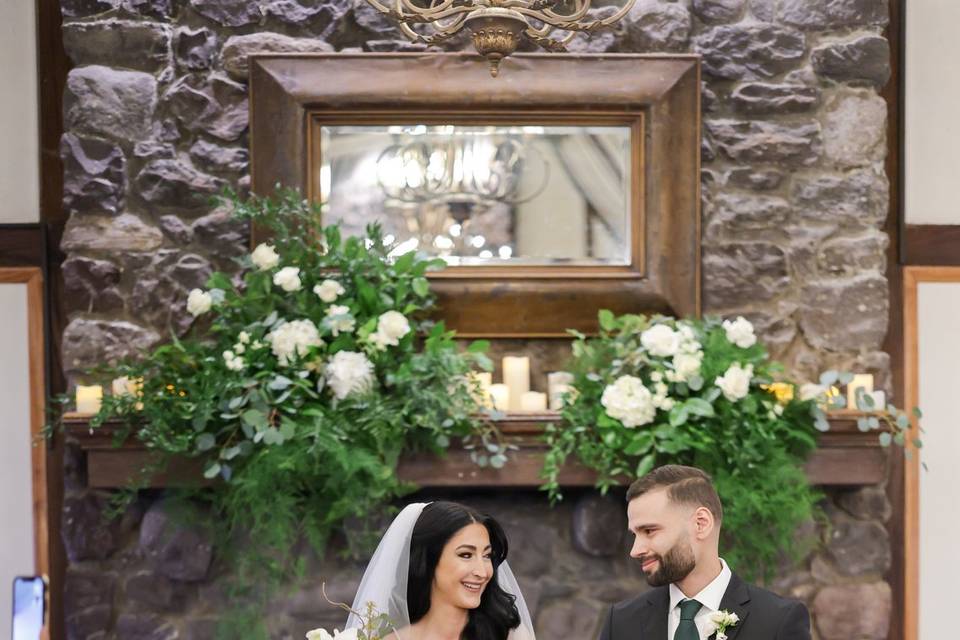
{"points": [[301, 384], [656, 390]]}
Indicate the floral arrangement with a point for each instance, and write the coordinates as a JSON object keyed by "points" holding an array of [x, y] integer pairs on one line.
{"points": [[303, 379], [656, 390]]}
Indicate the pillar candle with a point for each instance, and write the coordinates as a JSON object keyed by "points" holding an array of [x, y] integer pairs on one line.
{"points": [[500, 396], [89, 398], [533, 401], [558, 383], [483, 380], [516, 375], [860, 381]]}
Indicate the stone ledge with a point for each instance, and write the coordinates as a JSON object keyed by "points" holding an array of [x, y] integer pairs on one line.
{"points": [[844, 456]]}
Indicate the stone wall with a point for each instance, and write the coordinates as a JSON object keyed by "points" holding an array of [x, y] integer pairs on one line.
{"points": [[794, 199]]}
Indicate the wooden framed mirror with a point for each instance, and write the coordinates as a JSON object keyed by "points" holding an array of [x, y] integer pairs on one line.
{"points": [[568, 184]]}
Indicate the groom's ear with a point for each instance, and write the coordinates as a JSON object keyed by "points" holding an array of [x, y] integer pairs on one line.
{"points": [[703, 523]]}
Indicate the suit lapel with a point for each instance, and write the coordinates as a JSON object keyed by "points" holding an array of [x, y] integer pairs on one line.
{"points": [[654, 617], [736, 599]]}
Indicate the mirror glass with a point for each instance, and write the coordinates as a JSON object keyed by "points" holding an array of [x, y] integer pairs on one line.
{"points": [[483, 195]]}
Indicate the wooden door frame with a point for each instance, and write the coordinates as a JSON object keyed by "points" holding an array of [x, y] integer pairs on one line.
{"points": [[32, 278], [913, 276]]}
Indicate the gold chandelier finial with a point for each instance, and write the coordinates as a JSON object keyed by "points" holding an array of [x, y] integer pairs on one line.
{"points": [[497, 26]]}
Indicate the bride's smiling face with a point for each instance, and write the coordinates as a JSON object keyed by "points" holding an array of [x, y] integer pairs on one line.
{"points": [[464, 569]]}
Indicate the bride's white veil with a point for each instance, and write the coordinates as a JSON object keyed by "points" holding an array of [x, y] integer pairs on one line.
{"points": [[384, 582]]}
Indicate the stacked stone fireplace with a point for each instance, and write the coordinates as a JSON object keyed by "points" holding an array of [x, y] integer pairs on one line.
{"points": [[794, 201]]}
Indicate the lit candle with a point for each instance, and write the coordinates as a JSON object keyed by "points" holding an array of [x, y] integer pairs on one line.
{"points": [[500, 395], [516, 375], [558, 383], [89, 399], [532, 401], [860, 381]]}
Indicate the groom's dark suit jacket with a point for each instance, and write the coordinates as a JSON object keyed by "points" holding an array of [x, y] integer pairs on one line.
{"points": [[763, 615]]}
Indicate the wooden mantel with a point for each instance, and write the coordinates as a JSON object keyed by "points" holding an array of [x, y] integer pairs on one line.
{"points": [[844, 456]]}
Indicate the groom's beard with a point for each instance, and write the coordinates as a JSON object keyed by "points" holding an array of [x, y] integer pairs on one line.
{"points": [[676, 565]]}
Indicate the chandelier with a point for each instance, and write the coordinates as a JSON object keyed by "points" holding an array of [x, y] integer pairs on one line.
{"points": [[463, 174], [497, 26]]}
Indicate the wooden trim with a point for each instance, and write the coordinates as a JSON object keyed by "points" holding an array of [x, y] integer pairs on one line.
{"points": [[932, 245], [913, 277], [33, 279], [845, 456], [21, 245]]}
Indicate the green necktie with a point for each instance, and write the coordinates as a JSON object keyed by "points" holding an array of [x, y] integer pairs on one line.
{"points": [[687, 629]]}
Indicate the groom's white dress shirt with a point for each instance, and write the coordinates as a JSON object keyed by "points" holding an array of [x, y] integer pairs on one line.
{"points": [[710, 597]]}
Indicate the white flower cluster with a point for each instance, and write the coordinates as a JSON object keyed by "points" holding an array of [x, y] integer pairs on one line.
{"points": [[293, 339], [265, 257], [199, 302], [288, 279], [391, 326], [349, 372], [339, 319], [718, 623], [681, 345], [233, 361], [628, 401], [322, 634], [740, 332], [735, 382], [329, 290]]}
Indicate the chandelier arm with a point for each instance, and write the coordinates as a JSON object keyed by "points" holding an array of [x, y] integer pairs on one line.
{"points": [[545, 8], [559, 22], [426, 12]]}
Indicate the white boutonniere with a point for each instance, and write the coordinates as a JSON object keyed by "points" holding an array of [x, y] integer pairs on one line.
{"points": [[721, 621]]}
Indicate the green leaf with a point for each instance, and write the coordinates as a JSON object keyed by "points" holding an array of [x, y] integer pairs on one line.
{"points": [[205, 441], [479, 346], [211, 470], [640, 443], [699, 407], [404, 262], [885, 439], [279, 383], [255, 418], [917, 413], [695, 383], [645, 464], [828, 378], [679, 415], [421, 286], [607, 320]]}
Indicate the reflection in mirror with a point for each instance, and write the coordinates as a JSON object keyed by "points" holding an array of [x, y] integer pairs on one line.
{"points": [[484, 195]]}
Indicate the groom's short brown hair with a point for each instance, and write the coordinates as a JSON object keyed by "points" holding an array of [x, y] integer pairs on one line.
{"points": [[686, 485]]}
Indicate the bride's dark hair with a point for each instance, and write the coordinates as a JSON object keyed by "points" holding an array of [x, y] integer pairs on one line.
{"points": [[438, 522]]}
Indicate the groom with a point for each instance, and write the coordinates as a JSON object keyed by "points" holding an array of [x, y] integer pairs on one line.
{"points": [[675, 515]]}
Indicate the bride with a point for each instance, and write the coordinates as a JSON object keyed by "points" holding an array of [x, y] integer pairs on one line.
{"points": [[440, 573]]}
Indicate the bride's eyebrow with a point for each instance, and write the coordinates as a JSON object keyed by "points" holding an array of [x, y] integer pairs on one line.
{"points": [[470, 547]]}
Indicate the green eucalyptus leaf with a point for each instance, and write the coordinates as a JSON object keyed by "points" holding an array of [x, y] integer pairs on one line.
{"points": [[885, 439], [205, 442]]}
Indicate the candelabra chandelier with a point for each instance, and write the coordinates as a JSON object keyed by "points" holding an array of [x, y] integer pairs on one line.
{"points": [[498, 25], [461, 174]]}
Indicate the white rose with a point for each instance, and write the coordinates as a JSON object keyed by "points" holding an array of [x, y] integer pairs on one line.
{"points": [[346, 634], [290, 340], [740, 332], [124, 386], [339, 319], [329, 290], [687, 365], [288, 279], [392, 326], [199, 302], [628, 401], [812, 391], [721, 636], [243, 338], [264, 257], [735, 382], [349, 372], [660, 340]]}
